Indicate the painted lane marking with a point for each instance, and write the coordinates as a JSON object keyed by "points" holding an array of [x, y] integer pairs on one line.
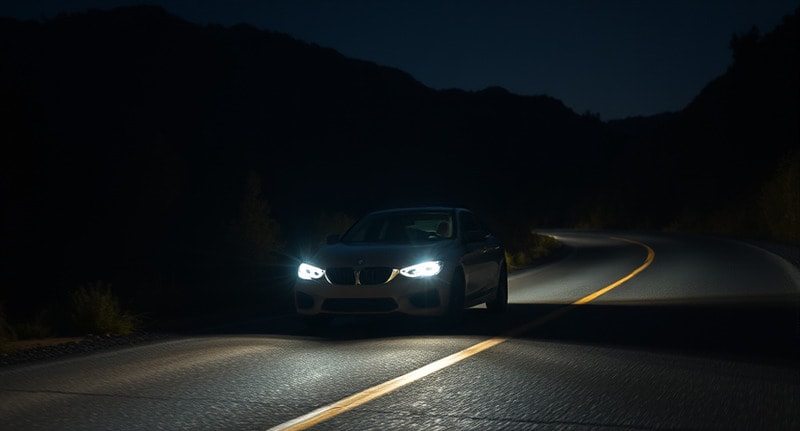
{"points": [[650, 256], [326, 412]]}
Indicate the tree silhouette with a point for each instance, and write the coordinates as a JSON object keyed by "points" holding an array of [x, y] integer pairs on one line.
{"points": [[255, 232]]}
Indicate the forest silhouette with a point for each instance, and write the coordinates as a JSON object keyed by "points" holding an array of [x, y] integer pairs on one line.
{"points": [[188, 165]]}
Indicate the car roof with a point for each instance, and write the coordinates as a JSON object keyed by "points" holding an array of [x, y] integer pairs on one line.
{"points": [[418, 209]]}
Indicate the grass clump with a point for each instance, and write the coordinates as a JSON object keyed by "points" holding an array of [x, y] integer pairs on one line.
{"points": [[95, 310]]}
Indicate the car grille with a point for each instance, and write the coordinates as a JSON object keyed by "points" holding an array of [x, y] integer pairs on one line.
{"points": [[341, 275], [350, 276], [359, 305]]}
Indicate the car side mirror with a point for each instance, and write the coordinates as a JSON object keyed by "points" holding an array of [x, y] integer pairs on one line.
{"points": [[333, 238]]}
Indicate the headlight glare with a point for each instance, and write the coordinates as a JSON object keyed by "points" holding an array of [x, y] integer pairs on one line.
{"points": [[309, 272], [424, 269]]}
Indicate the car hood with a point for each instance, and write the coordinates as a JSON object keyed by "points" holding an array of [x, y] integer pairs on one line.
{"points": [[396, 256]]}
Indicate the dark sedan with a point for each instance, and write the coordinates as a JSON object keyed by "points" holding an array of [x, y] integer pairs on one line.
{"points": [[423, 261]]}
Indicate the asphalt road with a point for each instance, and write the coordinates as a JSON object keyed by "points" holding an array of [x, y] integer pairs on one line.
{"points": [[689, 333]]}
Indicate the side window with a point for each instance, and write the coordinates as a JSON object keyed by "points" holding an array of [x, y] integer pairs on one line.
{"points": [[468, 223]]}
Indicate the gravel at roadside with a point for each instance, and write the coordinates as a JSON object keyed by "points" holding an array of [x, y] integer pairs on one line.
{"points": [[86, 345]]}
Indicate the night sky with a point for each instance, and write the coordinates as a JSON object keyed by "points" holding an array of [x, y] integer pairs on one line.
{"points": [[615, 58]]}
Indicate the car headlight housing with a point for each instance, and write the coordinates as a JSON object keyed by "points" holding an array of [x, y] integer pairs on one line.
{"points": [[424, 269], [309, 272]]}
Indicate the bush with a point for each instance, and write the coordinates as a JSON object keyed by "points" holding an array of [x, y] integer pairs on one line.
{"points": [[7, 334], [95, 310], [780, 201], [255, 234], [527, 248], [35, 329]]}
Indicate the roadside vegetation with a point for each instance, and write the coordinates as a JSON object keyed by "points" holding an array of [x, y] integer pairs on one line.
{"points": [[779, 203], [93, 311], [527, 248], [767, 211], [770, 212], [7, 334]]}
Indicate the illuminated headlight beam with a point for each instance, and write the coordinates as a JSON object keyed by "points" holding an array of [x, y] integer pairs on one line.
{"points": [[309, 272], [424, 269]]}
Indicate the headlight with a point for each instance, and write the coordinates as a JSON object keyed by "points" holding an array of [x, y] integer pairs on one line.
{"points": [[424, 269], [309, 272]]}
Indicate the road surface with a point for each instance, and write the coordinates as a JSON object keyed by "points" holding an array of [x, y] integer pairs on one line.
{"points": [[624, 332]]}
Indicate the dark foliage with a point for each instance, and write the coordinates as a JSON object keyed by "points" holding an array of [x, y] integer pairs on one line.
{"points": [[129, 137], [708, 163]]}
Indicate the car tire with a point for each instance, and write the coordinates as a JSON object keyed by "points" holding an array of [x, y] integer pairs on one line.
{"points": [[454, 314], [500, 302]]}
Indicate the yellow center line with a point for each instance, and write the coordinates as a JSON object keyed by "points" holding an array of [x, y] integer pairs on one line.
{"points": [[326, 412], [650, 256]]}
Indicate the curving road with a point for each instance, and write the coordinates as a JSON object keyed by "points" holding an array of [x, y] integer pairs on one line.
{"points": [[688, 333]]}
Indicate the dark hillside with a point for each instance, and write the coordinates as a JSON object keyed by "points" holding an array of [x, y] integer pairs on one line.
{"points": [[706, 166], [134, 140], [168, 158]]}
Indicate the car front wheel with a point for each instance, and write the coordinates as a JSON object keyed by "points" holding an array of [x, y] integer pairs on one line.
{"points": [[499, 303]]}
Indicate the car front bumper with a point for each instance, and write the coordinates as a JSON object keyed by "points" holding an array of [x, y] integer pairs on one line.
{"points": [[410, 296]]}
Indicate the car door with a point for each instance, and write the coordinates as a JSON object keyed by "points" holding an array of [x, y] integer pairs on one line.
{"points": [[478, 261]]}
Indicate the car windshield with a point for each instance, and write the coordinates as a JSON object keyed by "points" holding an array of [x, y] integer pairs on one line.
{"points": [[401, 228]]}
